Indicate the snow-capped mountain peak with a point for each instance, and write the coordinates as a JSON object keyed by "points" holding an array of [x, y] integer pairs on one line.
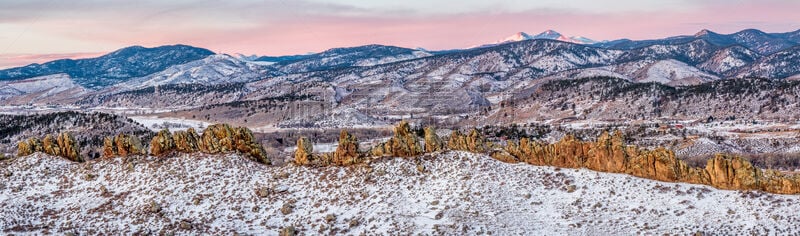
{"points": [[550, 34], [582, 40], [547, 34], [519, 36], [703, 33]]}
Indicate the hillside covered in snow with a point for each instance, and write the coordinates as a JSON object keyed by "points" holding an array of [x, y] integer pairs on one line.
{"points": [[450, 193]]}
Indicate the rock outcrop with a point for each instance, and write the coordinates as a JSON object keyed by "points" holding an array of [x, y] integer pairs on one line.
{"points": [[245, 142], [162, 143], [50, 145], [222, 138], [347, 151], [473, 142], [69, 147], [218, 138], [610, 154], [29, 146], [64, 145], [432, 141], [123, 145], [186, 141], [304, 153], [733, 173], [404, 143]]}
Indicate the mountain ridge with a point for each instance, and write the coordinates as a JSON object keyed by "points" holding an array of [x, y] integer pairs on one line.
{"points": [[111, 68]]}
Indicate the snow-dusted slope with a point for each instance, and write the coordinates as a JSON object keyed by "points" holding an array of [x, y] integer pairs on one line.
{"points": [[115, 67], [452, 194], [675, 73], [367, 55], [214, 69], [41, 87]]}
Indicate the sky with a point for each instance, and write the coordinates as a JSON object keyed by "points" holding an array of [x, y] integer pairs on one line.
{"points": [[43, 30]]}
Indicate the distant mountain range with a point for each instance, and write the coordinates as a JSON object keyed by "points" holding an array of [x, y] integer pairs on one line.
{"points": [[112, 68], [374, 79], [763, 43]]}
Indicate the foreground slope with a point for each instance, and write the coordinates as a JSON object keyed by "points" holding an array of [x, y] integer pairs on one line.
{"points": [[447, 193]]}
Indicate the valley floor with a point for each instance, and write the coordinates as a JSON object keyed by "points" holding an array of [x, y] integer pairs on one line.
{"points": [[451, 193]]}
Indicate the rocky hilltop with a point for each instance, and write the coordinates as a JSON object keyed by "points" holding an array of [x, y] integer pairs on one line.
{"points": [[215, 139], [608, 153]]}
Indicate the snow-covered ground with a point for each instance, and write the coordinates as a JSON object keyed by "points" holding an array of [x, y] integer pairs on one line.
{"points": [[173, 124], [451, 193]]}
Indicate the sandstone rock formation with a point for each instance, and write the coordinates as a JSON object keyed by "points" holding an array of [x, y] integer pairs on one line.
{"points": [[776, 182], [304, 153], [347, 151], [29, 146], [432, 141], [473, 142], [186, 141], [221, 138], [69, 147], [162, 143], [50, 145], [64, 145], [122, 145], [610, 154], [733, 173], [245, 142], [218, 138], [504, 156], [404, 143]]}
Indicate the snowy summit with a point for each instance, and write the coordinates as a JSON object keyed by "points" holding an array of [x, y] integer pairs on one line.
{"points": [[548, 34]]}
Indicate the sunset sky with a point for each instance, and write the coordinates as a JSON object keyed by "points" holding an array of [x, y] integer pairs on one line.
{"points": [[41, 30]]}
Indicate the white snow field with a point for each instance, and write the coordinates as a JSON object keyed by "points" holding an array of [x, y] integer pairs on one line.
{"points": [[451, 193]]}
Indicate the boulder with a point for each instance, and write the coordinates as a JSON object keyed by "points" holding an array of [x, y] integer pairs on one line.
{"points": [[504, 156], [569, 152], [473, 142], [109, 148], [404, 143], [162, 143], [29, 146], [217, 138], [222, 138], [245, 142], [347, 151], [64, 145], [528, 151], [776, 182], [50, 146], [186, 141], [122, 145], [303, 154], [658, 164], [69, 147], [432, 141]]}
